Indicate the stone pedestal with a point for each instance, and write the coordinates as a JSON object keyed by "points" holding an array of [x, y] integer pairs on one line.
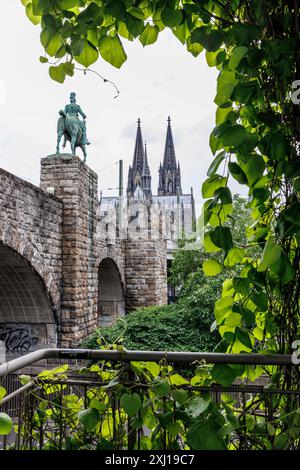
{"points": [[75, 184]]}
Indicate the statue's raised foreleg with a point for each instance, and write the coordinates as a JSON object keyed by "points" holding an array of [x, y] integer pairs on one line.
{"points": [[73, 143], [59, 136], [65, 141], [60, 131], [84, 152]]}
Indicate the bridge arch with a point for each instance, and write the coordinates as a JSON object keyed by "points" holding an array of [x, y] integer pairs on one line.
{"points": [[14, 239], [27, 319], [111, 296]]}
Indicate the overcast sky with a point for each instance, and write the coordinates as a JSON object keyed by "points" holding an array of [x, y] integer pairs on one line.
{"points": [[156, 81]]}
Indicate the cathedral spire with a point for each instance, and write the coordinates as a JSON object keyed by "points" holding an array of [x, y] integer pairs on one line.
{"points": [[146, 177], [145, 170], [139, 172], [138, 156], [169, 156], [169, 172]]}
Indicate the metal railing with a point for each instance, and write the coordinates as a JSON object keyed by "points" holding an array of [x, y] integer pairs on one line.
{"points": [[22, 403]]}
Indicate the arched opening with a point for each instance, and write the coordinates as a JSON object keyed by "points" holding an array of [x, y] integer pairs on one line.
{"points": [[111, 301], [26, 317]]}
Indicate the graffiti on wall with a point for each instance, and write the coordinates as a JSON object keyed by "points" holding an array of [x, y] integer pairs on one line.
{"points": [[18, 338]]}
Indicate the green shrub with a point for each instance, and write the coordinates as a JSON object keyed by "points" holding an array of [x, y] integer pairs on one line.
{"points": [[157, 328]]}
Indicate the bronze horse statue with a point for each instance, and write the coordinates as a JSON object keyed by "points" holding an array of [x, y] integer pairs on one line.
{"points": [[69, 127]]}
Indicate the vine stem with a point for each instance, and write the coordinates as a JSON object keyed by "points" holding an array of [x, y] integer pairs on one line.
{"points": [[105, 80]]}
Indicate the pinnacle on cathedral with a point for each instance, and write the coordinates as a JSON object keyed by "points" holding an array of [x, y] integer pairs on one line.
{"points": [[139, 173], [169, 171]]}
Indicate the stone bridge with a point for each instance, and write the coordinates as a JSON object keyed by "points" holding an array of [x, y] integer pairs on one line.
{"points": [[61, 275]]}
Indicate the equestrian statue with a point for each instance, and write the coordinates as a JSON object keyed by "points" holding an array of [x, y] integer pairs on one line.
{"points": [[72, 127]]}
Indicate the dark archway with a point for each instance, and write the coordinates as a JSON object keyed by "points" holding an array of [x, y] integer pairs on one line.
{"points": [[111, 300], [27, 320]]}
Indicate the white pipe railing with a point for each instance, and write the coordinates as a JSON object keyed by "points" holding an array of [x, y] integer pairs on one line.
{"points": [[153, 356]]}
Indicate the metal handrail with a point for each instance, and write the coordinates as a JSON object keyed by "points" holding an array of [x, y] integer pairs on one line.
{"points": [[153, 356]]}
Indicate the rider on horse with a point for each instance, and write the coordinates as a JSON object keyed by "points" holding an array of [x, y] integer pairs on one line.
{"points": [[74, 110]]}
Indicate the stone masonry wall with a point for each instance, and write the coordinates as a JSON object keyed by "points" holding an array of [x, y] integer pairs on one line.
{"points": [[31, 224], [76, 185], [146, 273]]}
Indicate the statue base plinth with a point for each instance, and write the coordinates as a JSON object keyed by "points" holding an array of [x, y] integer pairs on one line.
{"points": [[62, 155]]}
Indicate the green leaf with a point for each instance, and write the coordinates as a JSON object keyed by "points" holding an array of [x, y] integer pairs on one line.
{"points": [[35, 19], [225, 85], [281, 441], [2, 392], [60, 72], [210, 39], [197, 405], [134, 25], [203, 435], [66, 4], [223, 307], [215, 58], [271, 254], [230, 136], [245, 92], [40, 7], [51, 40], [182, 32], [124, 32], [241, 285], [149, 35], [131, 403], [173, 428], [244, 34], [260, 300], [88, 54], [223, 195], [243, 337], [89, 418], [223, 374], [180, 396], [211, 184], [177, 379], [221, 237], [195, 49], [171, 17], [216, 163], [111, 49], [211, 268], [234, 256], [137, 13], [292, 214], [6, 424], [221, 115], [238, 53], [237, 173], [161, 386], [253, 167], [209, 246]]}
